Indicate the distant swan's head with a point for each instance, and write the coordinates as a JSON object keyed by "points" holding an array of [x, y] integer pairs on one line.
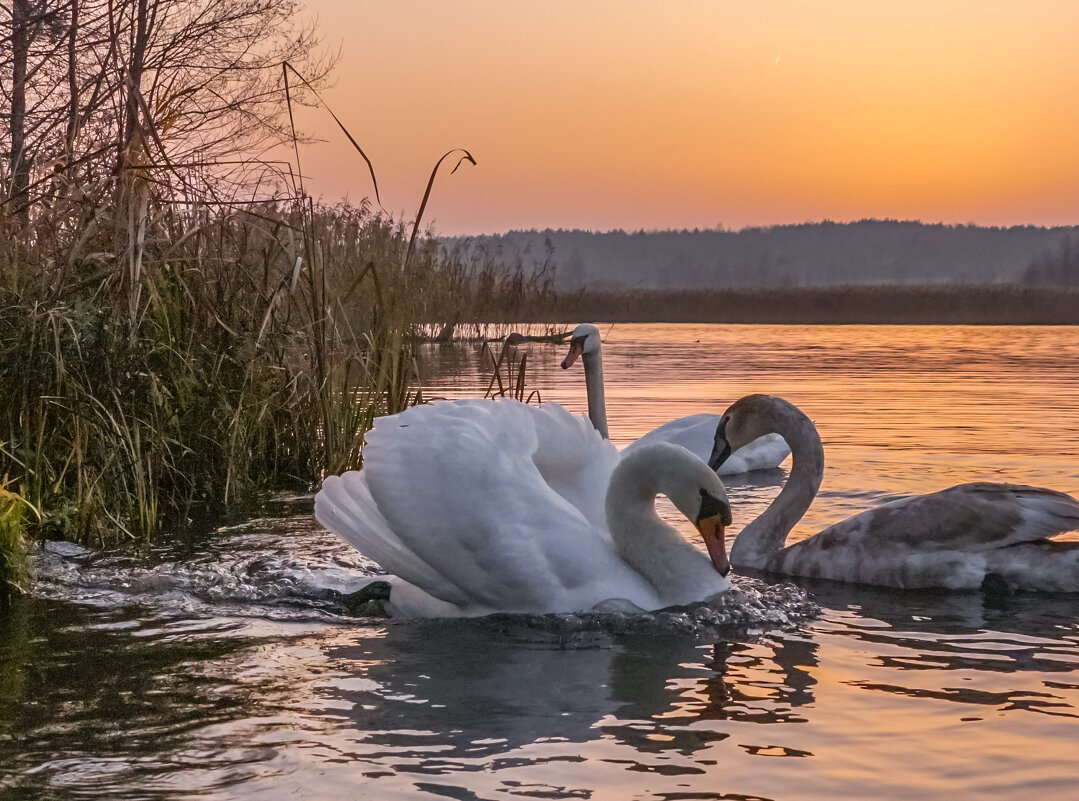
{"points": [[747, 419], [585, 339]]}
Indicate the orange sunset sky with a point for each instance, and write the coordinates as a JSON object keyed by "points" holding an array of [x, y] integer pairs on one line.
{"points": [[691, 114]]}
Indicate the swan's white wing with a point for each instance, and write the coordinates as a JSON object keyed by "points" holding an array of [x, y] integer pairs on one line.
{"points": [[945, 539], [344, 505], [574, 460], [456, 483], [697, 433]]}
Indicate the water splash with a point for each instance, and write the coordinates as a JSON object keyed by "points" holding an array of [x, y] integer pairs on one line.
{"points": [[273, 568], [751, 607], [289, 570]]}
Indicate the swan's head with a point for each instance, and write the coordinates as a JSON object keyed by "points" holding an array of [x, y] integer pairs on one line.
{"points": [[745, 420], [710, 512], [584, 339], [696, 491], [712, 518]]}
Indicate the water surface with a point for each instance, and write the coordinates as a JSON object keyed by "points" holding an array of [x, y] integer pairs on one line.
{"points": [[226, 668]]}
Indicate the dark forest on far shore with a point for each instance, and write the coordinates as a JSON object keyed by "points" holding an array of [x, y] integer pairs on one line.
{"points": [[823, 254]]}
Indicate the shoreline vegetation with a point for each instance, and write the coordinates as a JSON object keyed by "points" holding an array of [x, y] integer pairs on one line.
{"points": [[1006, 304], [263, 344], [183, 330]]}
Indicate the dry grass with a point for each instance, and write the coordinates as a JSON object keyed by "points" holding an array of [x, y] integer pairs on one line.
{"points": [[257, 351], [515, 383]]}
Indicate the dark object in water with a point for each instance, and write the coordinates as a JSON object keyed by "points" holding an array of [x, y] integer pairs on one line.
{"points": [[368, 601], [516, 339], [996, 586]]}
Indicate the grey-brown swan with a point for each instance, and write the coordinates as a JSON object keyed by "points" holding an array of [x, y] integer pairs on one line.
{"points": [[964, 537]]}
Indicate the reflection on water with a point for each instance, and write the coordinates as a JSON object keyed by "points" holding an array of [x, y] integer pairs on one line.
{"points": [[229, 671]]}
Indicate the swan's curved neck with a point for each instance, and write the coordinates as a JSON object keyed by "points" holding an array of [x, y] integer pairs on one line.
{"points": [[593, 381], [768, 533], [651, 547]]}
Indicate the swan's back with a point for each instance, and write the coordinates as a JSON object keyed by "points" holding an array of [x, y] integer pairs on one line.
{"points": [[951, 539], [697, 432]]}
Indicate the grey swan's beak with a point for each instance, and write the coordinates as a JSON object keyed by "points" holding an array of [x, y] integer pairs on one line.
{"points": [[721, 448]]}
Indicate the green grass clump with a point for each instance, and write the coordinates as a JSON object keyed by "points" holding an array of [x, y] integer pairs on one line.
{"points": [[12, 546]]}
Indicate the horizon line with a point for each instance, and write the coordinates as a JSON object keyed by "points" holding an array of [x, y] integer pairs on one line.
{"points": [[721, 229]]}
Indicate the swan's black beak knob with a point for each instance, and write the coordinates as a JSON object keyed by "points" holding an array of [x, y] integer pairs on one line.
{"points": [[721, 448]]}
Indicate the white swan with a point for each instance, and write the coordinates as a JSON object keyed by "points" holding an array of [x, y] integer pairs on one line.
{"points": [[964, 537], [495, 506], [694, 433]]}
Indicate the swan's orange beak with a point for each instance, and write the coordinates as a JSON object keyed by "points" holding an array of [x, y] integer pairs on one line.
{"points": [[575, 349], [712, 529]]}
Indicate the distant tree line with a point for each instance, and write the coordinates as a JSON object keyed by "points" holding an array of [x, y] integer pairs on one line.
{"points": [[1057, 268], [863, 253]]}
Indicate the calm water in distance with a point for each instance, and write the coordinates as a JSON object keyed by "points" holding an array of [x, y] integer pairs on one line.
{"points": [[225, 668]]}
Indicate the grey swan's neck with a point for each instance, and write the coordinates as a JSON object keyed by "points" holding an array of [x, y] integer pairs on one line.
{"points": [[768, 533], [593, 381]]}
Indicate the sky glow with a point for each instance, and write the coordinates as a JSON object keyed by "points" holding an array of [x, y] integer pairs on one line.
{"points": [[635, 115]]}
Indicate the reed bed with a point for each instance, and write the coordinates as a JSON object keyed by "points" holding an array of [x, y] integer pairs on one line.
{"points": [[260, 347], [999, 304]]}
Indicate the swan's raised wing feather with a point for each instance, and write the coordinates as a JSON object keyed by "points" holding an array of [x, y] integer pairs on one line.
{"points": [[457, 484], [574, 460], [344, 505], [697, 433]]}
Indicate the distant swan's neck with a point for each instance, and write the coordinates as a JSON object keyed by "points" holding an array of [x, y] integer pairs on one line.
{"points": [[768, 533], [593, 381]]}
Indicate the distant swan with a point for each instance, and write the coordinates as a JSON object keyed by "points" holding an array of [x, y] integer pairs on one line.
{"points": [[695, 432], [497, 506], [964, 537]]}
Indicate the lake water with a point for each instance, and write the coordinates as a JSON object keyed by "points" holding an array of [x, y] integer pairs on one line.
{"points": [[224, 667]]}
